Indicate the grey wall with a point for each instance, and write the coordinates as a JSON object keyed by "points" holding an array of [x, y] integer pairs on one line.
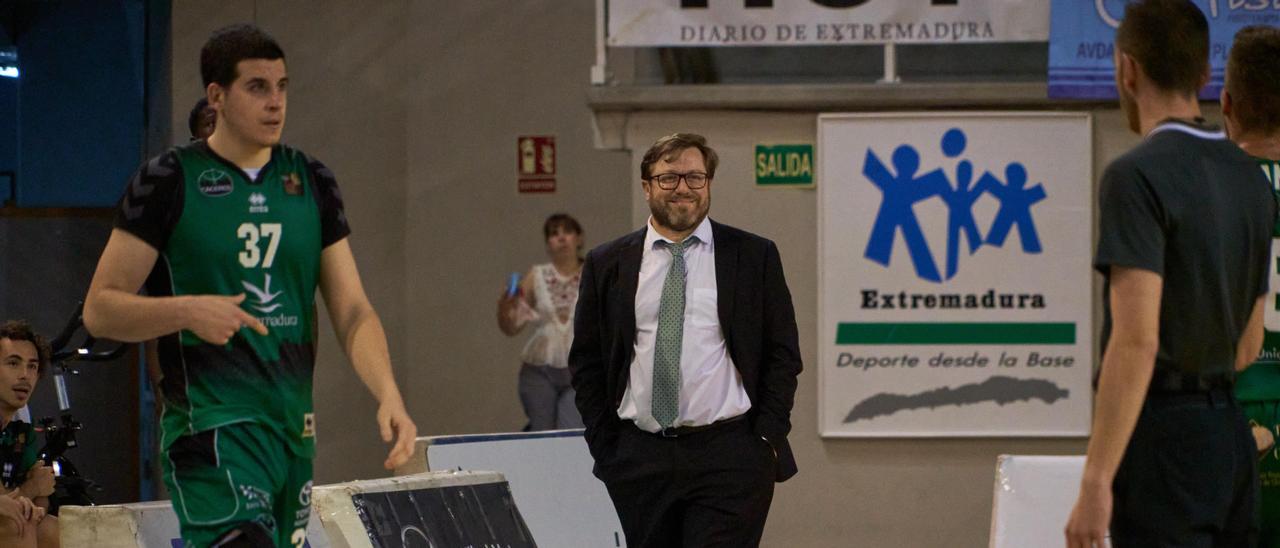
{"points": [[489, 71]]}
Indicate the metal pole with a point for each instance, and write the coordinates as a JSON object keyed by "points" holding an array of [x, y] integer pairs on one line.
{"points": [[600, 71], [890, 64]]}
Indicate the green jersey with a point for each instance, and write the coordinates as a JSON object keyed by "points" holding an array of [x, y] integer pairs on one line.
{"points": [[17, 453], [1261, 381], [220, 231]]}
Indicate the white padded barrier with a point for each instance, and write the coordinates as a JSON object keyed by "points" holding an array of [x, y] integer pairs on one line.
{"points": [[430, 509], [563, 504], [440, 509], [1033, 499], [137, 525]]}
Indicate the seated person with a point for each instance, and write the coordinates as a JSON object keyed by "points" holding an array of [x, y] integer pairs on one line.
{"points": [[27, 483]]}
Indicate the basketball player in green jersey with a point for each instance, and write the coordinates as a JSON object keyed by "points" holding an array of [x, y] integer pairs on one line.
{"points": [[1251, 108], [232, 236]]}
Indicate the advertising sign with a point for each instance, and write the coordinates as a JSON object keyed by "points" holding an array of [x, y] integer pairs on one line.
{"points": [[1082, 42], [955, 286], [648, 23]]}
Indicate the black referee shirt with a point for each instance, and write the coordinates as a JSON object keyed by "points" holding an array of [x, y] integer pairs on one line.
{"points": [[1189, 205]]}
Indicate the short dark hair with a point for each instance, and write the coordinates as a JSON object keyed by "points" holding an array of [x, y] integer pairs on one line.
{"points": [[1169, 39], [669, 148], [230, 45], [20, 330], [560, 220], [193, 119], [1253, 79]]}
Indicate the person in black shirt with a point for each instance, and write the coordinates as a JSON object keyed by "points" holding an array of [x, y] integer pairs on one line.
{"points": [[1183, 246]]}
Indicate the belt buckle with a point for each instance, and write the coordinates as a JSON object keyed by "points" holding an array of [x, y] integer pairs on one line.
{"points": [[668, 432]]}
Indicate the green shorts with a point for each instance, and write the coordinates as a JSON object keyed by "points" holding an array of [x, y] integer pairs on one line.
{"points": [[1267, 415], [238, 474]]}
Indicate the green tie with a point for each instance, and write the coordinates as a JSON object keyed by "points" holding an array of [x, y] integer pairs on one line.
{"points": [[666, 348]]}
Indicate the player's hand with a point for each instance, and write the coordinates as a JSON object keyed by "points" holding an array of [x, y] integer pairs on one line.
{"points": [[39, 483], [217, 318], [394, 423], [1087, 527], [1263, 438]]}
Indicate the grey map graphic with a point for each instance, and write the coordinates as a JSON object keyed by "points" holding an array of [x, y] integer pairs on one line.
{"points": [[998, 389]]}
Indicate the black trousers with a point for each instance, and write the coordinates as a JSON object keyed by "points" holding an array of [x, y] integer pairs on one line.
{"points": [[1189, 476], [709, 488]]}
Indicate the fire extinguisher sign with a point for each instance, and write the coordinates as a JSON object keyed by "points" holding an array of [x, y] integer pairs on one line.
{"points": [[536, 163]]}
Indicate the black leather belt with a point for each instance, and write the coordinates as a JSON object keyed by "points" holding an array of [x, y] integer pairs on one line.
{"points": [[679, 431], [1164, 381]]}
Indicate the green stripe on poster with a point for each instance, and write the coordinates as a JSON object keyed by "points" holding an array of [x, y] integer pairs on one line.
{"points": [[956, 333]]}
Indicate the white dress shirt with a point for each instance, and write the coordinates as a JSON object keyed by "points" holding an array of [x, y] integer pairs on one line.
{"points": [[710, 386]]}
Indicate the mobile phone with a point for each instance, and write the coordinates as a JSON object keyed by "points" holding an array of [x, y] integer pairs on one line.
{"points": [[513, 284]]}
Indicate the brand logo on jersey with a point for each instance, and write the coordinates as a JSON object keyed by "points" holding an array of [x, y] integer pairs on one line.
{"points": [[215, 182], [263, 302], [292, 185], [309, 431], [263, 297], [258, 203]]}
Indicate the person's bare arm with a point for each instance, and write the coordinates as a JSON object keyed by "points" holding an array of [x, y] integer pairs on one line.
{"points": [[114, 310], [1250, 344], [1127, 366], [361, 335]]}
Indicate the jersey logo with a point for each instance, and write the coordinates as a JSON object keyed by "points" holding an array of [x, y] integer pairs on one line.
{"points": [[258, 203], [292, 186], [215, 182], [309, 425], [263, 296]]}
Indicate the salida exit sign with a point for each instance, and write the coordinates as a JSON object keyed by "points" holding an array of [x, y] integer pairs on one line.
{"points": [[784, 166]]}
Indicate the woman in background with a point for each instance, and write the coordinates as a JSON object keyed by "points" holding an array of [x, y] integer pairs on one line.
{"points": [[545, 299]]}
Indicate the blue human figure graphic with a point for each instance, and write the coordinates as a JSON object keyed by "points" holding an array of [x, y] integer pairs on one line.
{"points": [[960, 201], [901, 192], [1015, 207]]}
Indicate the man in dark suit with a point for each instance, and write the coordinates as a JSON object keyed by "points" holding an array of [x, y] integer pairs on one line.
{"points": [[685, 359]]}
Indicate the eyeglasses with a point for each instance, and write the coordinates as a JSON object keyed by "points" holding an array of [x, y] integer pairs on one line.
{"points": [[669, 181]]}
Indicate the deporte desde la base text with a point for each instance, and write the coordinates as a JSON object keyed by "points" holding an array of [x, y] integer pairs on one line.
{"points": [[948, 360]]}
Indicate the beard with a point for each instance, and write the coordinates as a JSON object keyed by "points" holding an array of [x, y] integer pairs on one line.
{"points": [[679, 219]]}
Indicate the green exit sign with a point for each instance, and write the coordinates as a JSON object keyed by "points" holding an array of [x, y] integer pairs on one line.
{"points": [[784, 166]]}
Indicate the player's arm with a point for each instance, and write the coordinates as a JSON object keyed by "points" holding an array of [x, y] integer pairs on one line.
{"points": [[362, 338], [114, 310], [1250, 344], [1127, 366]]}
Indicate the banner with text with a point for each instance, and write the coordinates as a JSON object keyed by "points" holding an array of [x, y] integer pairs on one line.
{"points": [[649, 23], [1082, 42], [954, 279]]}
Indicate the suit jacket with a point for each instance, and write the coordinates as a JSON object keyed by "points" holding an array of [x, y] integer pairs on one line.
{"points": [[756, 317]]}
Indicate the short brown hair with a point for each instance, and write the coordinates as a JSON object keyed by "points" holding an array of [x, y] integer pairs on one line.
{"points": [[669, 148], [1253, 79], [560, 220], [20, 330], [1170, 40]]}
